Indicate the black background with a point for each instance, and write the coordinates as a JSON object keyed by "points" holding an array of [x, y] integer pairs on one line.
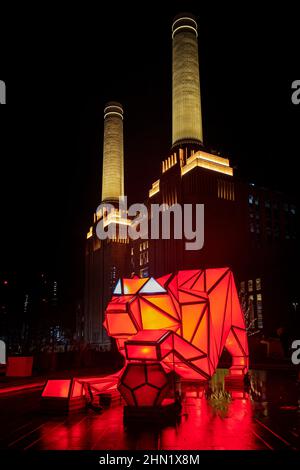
{"points": [[61, 65]]}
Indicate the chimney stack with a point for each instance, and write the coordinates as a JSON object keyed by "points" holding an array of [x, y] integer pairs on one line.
{"points": [[186, 100], [113, 153]]}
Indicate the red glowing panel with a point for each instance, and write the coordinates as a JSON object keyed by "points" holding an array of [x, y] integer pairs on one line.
{"points": [[163, 279], [141, 352], [120, 323], [143, 384], [77, 389], [184, 277], [201, 334], [146, 395], [117, 306], [167, 345], [57, 388], [120, 343], [19, 366], [150, 335], [135, 313]]}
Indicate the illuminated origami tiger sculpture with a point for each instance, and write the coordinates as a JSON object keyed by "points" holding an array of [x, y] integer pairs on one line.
{"points": [[182, 320]]}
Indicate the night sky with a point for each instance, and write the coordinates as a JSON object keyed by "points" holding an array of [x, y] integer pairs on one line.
{"points": [[62, 66]]}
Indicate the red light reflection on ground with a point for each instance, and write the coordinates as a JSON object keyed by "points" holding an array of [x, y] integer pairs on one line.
{"points": [[202, 426]]}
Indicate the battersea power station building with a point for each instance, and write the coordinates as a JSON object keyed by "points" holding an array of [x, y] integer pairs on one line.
{"points": [[250, 229]]}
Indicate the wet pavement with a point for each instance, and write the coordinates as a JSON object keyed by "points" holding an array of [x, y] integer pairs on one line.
{"points": [[266, 416]]}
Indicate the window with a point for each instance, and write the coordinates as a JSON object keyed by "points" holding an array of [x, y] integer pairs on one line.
{"points": [[259, 311], [251, 199], [242, 286], [258, 283], [132, 252], [251, 310], [144, 258], [225, 190], [144, 245], [250, 285]]}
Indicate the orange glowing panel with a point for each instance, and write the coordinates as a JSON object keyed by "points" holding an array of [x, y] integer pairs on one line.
{"points": [[57, 388], [164, 303], [131, 286], [120, 323], [190, 319], [77, 390], [153, 318]]}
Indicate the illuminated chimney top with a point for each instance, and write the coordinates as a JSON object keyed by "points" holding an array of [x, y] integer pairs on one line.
{"points": [[113, 153], [186, 99]]}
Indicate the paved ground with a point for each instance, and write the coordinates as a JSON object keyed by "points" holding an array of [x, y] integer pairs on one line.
{"points": [[268, 420]]}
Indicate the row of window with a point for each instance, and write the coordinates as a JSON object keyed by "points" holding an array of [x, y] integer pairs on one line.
{"points": [[251, 284], [274, 205], [251, 293], [170, 197], [226, 190], [272, 226], [255, 307], [144, 246]]}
